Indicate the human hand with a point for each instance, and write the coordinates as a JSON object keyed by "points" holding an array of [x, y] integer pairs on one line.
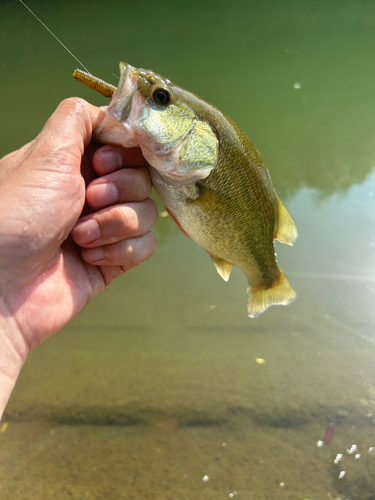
{"points": [[45, 277]]}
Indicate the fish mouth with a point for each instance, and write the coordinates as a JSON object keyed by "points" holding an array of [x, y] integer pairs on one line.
{"points": [[121, 103], [124, 112]]}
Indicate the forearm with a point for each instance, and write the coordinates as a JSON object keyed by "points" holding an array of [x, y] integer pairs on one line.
{"points": [[13, 352]]}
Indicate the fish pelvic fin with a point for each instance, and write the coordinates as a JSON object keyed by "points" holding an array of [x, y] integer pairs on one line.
{"points": [[286, 229], [223, 267], [281, 293]]}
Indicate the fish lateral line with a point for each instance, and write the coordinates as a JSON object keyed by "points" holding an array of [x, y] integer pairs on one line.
{"points": [[56, 38], [94, 83]]}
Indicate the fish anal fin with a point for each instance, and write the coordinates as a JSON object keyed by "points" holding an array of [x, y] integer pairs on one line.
{"points": [[286, 229], [223, 267], [279, 294]]}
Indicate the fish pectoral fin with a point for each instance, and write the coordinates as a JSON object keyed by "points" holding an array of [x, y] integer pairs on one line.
{"points": [[279, 294], [286, 229], [223, 267]]}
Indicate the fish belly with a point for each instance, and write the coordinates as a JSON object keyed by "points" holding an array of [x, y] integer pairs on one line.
{"points": [[214, 227]]}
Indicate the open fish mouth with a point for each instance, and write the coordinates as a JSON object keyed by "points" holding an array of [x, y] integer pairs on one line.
{"points": [[126, 110], [121, 103]]}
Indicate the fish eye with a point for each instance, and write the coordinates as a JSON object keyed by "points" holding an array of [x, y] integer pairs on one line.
{"points": [[161, 95]]}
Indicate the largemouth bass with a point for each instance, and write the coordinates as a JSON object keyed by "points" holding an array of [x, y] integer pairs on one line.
{"points": [[209, 176]]}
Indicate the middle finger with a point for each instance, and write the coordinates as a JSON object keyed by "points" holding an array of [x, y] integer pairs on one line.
{"points": [[127, 184]]}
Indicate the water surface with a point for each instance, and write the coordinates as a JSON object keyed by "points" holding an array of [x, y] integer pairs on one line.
{"points": [[156, 385]]}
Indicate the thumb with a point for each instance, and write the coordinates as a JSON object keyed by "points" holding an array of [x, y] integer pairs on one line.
{"points": [[69, 130], [46, 191]]}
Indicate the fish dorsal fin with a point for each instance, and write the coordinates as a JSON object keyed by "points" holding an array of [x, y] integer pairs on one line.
{"points": [[286, 229], [223, 267]]}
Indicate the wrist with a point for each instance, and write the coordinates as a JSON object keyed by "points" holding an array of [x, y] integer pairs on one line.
{"points": [[13, 353]]}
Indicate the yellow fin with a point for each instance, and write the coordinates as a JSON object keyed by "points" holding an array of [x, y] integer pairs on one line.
{"points": [[286, 229], [280, 294], [223, 267]]}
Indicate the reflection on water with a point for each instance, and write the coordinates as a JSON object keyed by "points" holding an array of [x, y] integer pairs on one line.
{"points": [[155, 386]]}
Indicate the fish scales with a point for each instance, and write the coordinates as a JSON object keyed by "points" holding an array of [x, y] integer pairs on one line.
{"points": [[209, 176], [233, 208]]}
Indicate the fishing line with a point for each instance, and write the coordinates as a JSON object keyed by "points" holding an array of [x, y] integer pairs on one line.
{"points": [[58, 39]]}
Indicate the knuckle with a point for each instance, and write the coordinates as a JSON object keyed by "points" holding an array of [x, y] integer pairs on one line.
{"points": [[153, 209], [146, 246], [76, 108], [127, 219], [133, 252], [72, 104], [130, 252], [153, 242]]}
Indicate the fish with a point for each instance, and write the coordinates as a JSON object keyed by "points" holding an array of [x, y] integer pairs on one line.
{"points": [[210, 177]]}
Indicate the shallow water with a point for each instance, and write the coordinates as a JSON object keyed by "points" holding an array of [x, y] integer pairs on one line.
{"points": [[156, 385]]}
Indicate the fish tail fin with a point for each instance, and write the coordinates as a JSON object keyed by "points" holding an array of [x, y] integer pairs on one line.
{"points": [[281, 293]]}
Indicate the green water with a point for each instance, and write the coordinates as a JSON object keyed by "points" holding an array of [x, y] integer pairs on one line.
{"points": [[156, 385]]}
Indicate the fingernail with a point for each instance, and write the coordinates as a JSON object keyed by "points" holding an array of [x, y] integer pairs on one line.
{"points": [[109, 161], [94, 254], [103, 193], [86, 232]]}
